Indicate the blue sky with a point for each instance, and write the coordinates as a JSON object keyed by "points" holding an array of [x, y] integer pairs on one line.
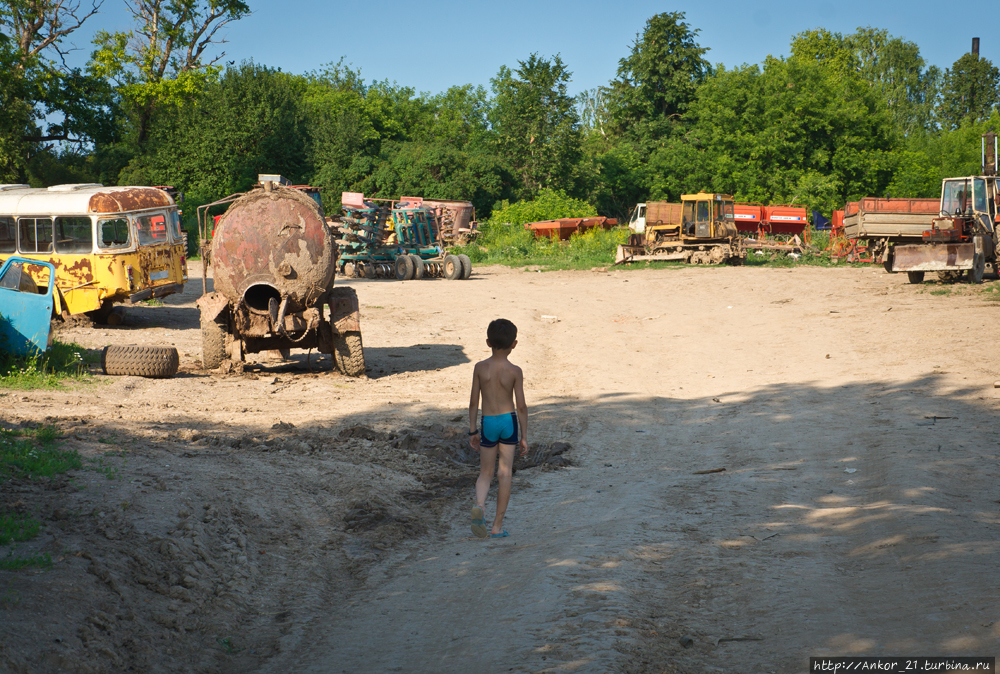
{"points": [[439, 43]]}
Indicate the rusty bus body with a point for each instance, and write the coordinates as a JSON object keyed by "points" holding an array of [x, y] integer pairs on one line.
{"points": [[107, 244]]}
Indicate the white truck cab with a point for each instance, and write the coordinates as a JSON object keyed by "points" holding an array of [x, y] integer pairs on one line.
{"points": [[637, 223]]}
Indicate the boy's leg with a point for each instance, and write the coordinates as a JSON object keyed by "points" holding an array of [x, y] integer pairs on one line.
{"points": [[504, 473], [487, 460]]}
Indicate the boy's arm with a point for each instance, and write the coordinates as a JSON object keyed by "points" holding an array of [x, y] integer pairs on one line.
{"points": [[474, 409], [522, 409]]}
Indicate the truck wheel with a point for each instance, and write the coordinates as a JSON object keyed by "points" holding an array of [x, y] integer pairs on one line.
{"points": [[404, 268], [349, 355], [418, 266], [452, 267], [157, 362], [978, 263], [915, 276], [213, 344], [466, 265]]}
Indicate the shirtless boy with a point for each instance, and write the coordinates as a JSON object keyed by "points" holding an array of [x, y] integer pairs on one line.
{"points": [[501, 384]]}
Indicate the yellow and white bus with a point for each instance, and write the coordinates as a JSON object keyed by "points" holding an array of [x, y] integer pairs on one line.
{"points": [[107, 244]]}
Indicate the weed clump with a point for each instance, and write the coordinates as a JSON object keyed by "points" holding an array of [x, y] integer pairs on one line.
{"points": [[46, 370]]}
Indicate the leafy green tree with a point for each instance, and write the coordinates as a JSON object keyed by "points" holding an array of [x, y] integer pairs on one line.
{"points": [[162, 62], [969, 91], [251, 121], [535, 122], [890, 65], [658, 80], [790, 131]]}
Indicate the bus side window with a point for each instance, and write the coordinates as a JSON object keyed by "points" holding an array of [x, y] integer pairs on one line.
{"points": [[74, 234], [151, 229], [114, 233], [34, 235], [8, 235]]}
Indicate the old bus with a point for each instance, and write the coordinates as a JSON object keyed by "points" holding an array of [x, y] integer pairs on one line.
{"points": [[107, 244]]}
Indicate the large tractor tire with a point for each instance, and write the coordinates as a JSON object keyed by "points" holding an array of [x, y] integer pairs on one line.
{"points": [[213, 344], [915, 276], [349, 355], [158, 362]]}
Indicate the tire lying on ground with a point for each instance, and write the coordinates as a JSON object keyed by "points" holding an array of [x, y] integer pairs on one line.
{"points": [[157, 362]]}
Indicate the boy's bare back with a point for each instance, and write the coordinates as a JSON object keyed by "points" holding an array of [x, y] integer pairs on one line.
{"points": [[498, 380]]}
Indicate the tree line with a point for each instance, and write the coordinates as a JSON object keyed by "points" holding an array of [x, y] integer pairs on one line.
{"points": [[843, 116]]}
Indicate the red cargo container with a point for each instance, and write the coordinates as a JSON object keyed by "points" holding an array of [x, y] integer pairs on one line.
{"points": [[564, 227], [785, 219], [748, 217]]}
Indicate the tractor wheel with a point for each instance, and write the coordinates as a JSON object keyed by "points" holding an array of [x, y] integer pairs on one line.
{"points": [[452, 267], [975, 275], [404, 268], [949, 276], [915, 277], [213, 344], [349, 355], [418, 267], [158, 362], [466, 265]]}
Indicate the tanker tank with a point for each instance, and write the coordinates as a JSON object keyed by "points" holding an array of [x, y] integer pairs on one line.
{"points": [[274, 261]]}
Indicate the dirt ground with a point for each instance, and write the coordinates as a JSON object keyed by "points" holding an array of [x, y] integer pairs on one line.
{"points": [[289, 519]]}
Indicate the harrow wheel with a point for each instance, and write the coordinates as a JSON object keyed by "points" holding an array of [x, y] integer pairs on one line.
{"points": [[452, 267], [404, 268], [418, 266], [466, 265], [349, 269]]}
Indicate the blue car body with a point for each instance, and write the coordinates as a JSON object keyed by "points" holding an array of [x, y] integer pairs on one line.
{"points": [[25, 311]]}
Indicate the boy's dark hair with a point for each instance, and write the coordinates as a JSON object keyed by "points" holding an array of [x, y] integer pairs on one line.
{"points": [[501, 333]]}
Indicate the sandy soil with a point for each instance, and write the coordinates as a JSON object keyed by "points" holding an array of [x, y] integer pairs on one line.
{"points": [[290, 519]]}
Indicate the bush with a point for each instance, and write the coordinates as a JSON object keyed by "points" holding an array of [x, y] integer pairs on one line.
{"points": [[548, 205], [514, 245]]}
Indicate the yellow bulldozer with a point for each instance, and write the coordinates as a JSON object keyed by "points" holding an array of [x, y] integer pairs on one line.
{"points": [[699, 230]]}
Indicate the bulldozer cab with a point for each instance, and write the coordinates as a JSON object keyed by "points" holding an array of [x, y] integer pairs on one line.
{"points": [[707, 216]]}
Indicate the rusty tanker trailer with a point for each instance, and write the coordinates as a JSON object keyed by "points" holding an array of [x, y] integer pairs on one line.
{"points": [[274, 259]]}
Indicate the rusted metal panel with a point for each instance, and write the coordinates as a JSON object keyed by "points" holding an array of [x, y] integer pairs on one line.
{"points": [[876, 205], [274, 244], [131, 199], [212, 305], [563, 228], [933, 257], [662, 213], [456, 214]]}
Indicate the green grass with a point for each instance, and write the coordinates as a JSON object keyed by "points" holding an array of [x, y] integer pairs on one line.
{"points": [[941, 291], [13, 562], [17, 527], [515, 246], [50, 370], [34, 453], [153, 302], [99, 465]]}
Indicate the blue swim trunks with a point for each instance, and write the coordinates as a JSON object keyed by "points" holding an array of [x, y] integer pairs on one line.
{"points": [[499, 428]]}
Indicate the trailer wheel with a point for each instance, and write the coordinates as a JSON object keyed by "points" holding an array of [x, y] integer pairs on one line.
{"points": [[213, 344], [915, 277], [418, 266], [404, 268], [348, 269], [349, 354], [157, 362], [466, 265], [452, 267]]}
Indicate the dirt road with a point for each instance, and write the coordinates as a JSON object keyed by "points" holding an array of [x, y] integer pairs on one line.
{"points": [[320, 523]]}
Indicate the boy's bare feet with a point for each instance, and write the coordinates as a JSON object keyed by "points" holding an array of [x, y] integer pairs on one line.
{"points": [[479, 521]]}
